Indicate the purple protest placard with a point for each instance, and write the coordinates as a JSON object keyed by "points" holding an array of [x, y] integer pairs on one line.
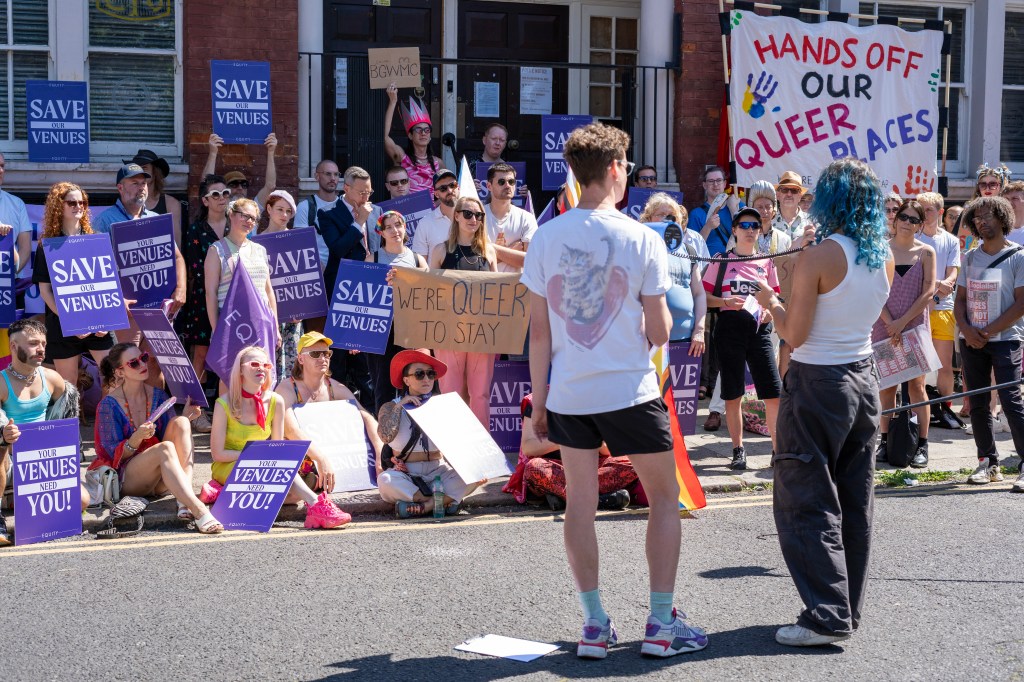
{"points": [[258, 484], [555, 131], [47, 494], [481, 181], [174, 362], [85, 284], [145, 259], [295, 273], [7, 301], [413, 207], [638, 196], [361, 307], [511, 383], [685, 372], [245, 320], [241, 101]]}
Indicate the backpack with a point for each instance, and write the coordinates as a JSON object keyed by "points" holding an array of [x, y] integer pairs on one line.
{"points": [[903, 434]]}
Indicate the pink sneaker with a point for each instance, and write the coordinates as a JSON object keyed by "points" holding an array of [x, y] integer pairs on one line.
{"points": [[326, 514], [210, 492]]}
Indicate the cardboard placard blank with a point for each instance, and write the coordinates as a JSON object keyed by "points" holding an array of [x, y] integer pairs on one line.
{"points": [[398, 65]]}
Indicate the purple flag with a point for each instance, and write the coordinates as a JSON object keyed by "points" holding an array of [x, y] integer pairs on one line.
{"points": [[638, 196], [361, 307], [414, 207], [509, 386], [145, 259], [685, 373], [171, 356], [47, 495], [258, 484], [547, 214], [7, 301], [295, 273], [245, 320], [85, 284]]}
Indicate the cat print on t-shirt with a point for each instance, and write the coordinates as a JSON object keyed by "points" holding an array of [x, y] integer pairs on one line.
{"points": [[588, 291]]}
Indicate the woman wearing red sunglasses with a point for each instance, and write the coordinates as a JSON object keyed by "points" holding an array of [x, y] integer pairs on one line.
{"points": [[152, 457]]}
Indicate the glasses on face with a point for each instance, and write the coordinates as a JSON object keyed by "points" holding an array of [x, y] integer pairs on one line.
{"points": [[982, 217], [399, 183], [749, 225], [628, 165], [318, 354], [247, 217], [446, 188], [420, 130], [75, 204], [788, 190], [470, 215], [909, 219], [715, 181], [890, 211], [422, 374], [989, 185], [256, 364], [217, 194], [646, 178], [505, 181], [135, 363], [238, 183]]}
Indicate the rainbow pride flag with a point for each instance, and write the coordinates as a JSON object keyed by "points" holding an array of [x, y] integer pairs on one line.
{"points": [[691, 494]]}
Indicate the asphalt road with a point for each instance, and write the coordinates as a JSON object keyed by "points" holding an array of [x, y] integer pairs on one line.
{"points": [[383, 600]]}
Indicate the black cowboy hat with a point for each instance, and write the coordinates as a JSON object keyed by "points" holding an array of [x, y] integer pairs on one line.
{"points": [[144, 156]]}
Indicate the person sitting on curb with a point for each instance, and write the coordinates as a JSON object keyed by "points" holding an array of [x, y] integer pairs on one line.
{"points": [[406, 479], [540, 471], [251, 411], [150, 457]]}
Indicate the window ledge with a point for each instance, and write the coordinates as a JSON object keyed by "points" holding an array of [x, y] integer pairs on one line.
{"points": [[26, 176]]}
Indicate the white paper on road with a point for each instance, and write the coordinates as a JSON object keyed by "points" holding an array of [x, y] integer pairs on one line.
{"points": [[464, 442], [337, 430], [507, 647], [915, 356]]}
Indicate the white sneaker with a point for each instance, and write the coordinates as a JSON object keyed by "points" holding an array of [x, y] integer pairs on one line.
{"points": [[969, 429], [798, 635], [1018, 485], [1000, 425], [202, 424], [985, 473]]}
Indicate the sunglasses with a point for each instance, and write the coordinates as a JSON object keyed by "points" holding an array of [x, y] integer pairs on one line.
{"points": [[75, 204], [469, 215], [909, 219], [256, 364], [217, 194], [891, 211], [748, 225], [318, 354], [504, 181], [989, 185], [646, 178], [238, 183], [628, 165], [446, 188], [422, 374], [399, 183], [135, 363], [247, 217], [788, 190], [420, 130]]}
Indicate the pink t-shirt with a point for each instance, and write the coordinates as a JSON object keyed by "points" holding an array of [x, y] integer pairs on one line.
{"points": [[740, 276]]}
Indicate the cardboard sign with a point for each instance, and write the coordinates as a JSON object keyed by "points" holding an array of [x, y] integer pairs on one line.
{"points": [[241, 101], [145, 259], [474, 312], [47, 492], [360, 315], [58, 121], [685, 374], [511, 383], [8, 310], [174, 362], [337, 429], [458, 434], [85, 284], [555, 131], [784, 267], [295, 273], [398, 65], [257, 486], [637, 199], [414, 207]]}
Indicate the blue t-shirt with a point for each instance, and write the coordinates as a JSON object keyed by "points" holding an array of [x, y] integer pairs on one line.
{"points": [[719, 237], [116, 214], [680, 297]]}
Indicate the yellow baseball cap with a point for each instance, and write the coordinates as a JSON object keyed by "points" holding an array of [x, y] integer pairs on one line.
{"points": [[312, 338]]}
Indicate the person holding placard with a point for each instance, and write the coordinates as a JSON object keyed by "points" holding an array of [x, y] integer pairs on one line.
{"points": [[468, 248], [393, 251], [251, 411], [66, 214], [152, 456], [159, 201], [406, 479], [309, 381], [277, 217], [236, 180], [909, 296], [14, 217], [418, 160]]}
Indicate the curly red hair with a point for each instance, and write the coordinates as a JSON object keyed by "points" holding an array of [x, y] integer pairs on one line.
{"points": [[53, 214]]}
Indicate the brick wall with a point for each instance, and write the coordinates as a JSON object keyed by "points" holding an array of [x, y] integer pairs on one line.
{"points": [[698, 95], [267, 30]]}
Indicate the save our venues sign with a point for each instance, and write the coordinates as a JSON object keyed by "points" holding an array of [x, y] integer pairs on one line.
{"points": [[58, 121], [804, 94], [85, 284], [241, 101]]}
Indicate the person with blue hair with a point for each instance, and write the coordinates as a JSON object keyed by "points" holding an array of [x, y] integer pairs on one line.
{"points": [[829, 411]]}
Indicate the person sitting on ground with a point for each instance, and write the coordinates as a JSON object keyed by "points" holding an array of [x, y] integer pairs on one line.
{"points": [[151, 457], [251, 411], [406, 480], [540, 471]]}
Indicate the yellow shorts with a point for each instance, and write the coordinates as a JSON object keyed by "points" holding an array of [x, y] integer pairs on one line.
{"points": [[942, 322]]}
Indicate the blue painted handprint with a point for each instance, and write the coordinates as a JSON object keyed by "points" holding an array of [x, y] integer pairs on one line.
{"points": [[754, 101]]}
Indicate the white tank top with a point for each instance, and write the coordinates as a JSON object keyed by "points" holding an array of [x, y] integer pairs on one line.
{"points": [[841, 330]]}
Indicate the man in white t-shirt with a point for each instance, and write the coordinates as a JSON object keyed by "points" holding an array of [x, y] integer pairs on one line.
{"points": [[327, 176], [598, 280], [947, 265], [509, 227], [434, 229], [1014, 193]]}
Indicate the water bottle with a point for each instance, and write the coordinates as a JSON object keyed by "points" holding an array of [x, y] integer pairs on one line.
{"points": [[438, 489]]}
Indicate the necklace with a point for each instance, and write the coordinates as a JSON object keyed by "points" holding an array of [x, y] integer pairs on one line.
{"points": [[128, 408], [27, 379], [313, 395], [471, 260]]}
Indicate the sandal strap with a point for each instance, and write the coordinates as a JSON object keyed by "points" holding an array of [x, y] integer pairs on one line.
{"points": [[207, 520]]}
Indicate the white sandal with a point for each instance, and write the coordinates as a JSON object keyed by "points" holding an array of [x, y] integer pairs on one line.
{"points": [[184, 514], [207, 524]]}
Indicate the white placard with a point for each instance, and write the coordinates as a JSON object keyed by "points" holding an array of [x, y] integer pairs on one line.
{"points": [[341, 82], [535, 83], [515, 649], [485, 99], [914, 357], [464, 442], [336, 429]]}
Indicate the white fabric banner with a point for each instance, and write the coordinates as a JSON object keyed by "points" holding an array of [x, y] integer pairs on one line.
{"points": [[803, 95]]}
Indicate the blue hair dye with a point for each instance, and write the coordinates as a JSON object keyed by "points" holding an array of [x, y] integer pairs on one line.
{"points": [[848, 200]]}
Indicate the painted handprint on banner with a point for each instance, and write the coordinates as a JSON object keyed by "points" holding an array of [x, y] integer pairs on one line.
{"points": [[918, 180], [754, 100]]}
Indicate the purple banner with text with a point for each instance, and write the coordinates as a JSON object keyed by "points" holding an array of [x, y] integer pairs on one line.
{"points": [[511, 383], [414, 207], [171, 356], [85, 284], [145, 259], [257, 486], [47, 494], [7, 301], [361, 304], [295, 273], [685, 373]]}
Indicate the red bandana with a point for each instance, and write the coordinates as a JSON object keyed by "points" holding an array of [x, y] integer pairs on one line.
{"points": [[261, 409]]}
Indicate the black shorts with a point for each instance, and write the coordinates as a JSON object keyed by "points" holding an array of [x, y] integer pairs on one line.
{"points": [[59, 347], [635, 430], [740, 342]]}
